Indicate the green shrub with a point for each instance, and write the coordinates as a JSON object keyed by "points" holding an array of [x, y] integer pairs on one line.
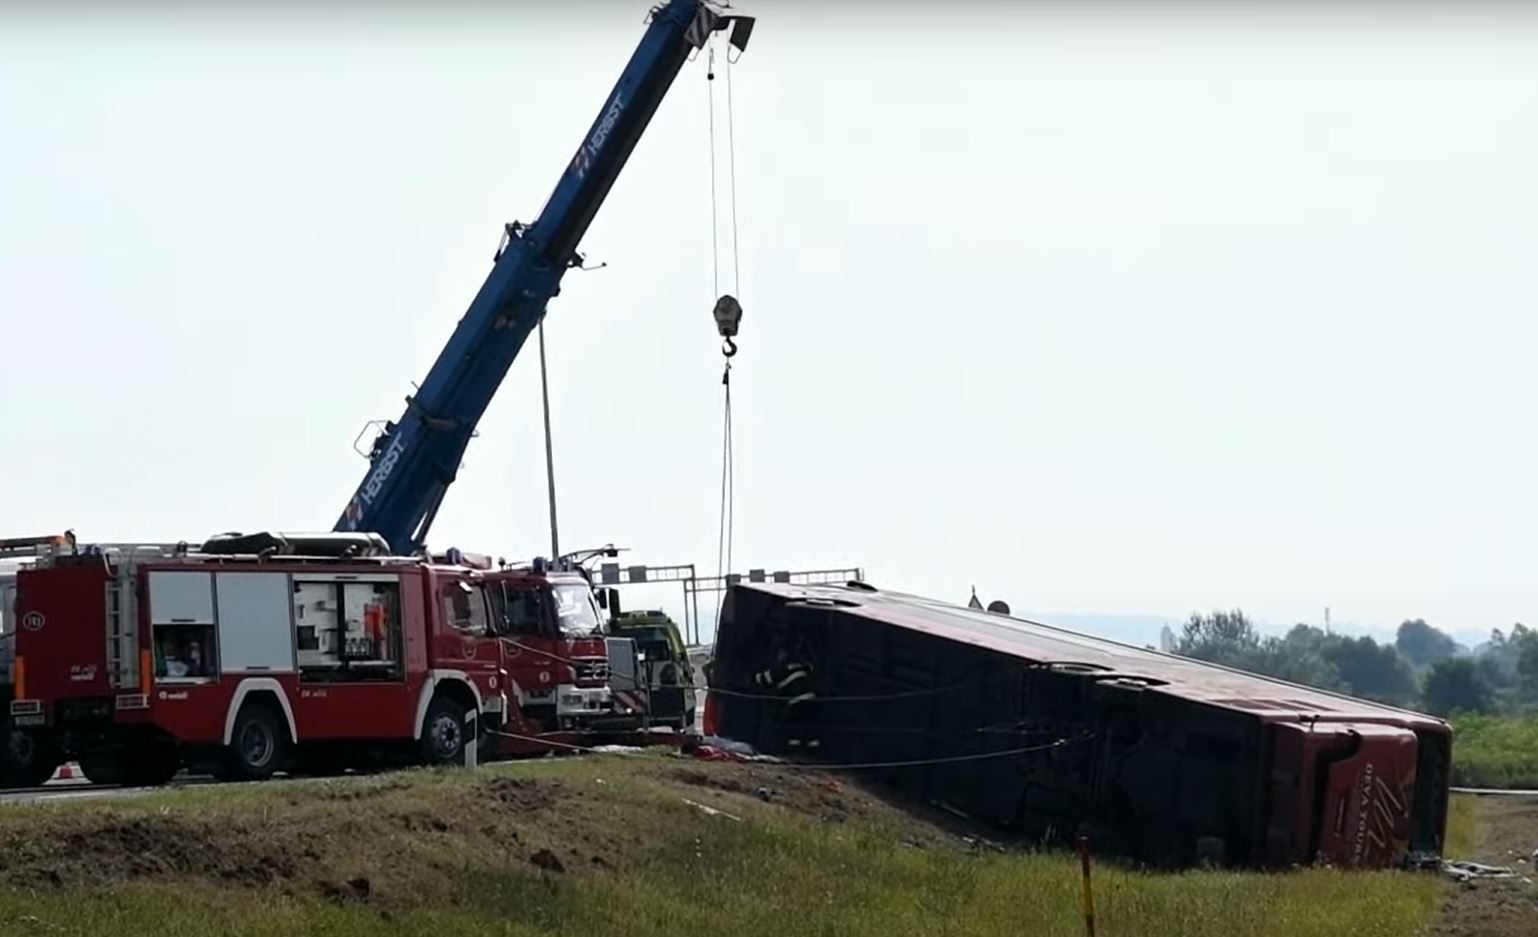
{"points": [[1495, 751]]}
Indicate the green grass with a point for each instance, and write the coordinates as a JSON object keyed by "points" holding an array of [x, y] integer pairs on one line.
{"points": [[1462, 824], [808, 862], [1495, 751]]}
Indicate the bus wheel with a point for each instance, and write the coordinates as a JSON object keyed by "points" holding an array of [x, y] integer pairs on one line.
{"points": [[443, 733], [258, 745]]}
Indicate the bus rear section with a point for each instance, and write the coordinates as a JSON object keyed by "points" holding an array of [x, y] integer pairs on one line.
{"points": [[1356, 794]]}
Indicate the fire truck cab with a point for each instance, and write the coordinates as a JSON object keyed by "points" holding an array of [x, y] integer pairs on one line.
{"points": [[551, 634], [255, 654]]}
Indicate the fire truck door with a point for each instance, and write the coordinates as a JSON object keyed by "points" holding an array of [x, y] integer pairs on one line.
{"points": [[465, 640]]}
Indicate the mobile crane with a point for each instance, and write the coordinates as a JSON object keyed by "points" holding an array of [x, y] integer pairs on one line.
{"points": [[414, 459]]}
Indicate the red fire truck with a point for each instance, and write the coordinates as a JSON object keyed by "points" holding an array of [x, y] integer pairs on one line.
{"points": [[249, 655]]}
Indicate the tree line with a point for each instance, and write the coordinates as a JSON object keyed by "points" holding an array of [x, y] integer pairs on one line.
{"points": [[1425, 668]]}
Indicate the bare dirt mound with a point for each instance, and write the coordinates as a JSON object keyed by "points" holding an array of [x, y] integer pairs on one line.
{"points": [[347, 840], [100, 850], [820, 795], [1508, 836], [296, 833]]}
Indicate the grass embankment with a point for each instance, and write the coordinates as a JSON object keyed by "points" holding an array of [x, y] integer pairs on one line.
{"points": [[599, 846], [1495, 751]]}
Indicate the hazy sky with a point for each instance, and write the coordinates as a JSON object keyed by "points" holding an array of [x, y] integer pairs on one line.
{"points": [[1133, 311]]}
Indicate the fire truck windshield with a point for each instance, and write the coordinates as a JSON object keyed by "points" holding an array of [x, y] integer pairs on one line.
{"points": [[574, 611]]}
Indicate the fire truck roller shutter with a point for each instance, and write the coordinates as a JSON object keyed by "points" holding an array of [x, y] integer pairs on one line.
{"points": [[256, 628], [261, 687], [447, 680]]}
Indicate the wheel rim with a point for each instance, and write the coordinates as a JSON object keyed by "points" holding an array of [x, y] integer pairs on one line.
{"points": [[256, 745], [447, 736]]}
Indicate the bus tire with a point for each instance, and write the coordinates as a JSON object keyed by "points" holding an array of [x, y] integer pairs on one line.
{"points": [[258, 745]]}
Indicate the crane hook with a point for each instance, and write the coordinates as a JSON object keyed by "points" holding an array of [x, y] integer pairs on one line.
{"points": [[728, 316]]}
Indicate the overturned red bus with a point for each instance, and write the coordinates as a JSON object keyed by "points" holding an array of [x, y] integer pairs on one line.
{"points": [[1164, 759]]}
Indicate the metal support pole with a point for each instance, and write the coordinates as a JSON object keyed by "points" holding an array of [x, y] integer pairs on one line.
{"points": [[544, 389], [694, 580], [688, 622], [1082, 845]]}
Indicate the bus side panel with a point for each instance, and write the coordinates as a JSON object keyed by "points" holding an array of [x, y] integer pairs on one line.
{"points": [[1006, 740]]}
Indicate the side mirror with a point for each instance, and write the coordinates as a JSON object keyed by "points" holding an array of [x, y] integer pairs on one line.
{"points": [[603, 598], [613, 602]]}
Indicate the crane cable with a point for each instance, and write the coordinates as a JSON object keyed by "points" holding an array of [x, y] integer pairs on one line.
{"points": [[728, 310]]}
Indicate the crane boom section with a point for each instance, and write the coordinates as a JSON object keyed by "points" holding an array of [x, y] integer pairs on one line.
{"points": [[416, 459]]}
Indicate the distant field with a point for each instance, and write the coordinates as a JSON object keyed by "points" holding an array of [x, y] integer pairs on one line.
{"points": [[609, 845], [1495, 751]]}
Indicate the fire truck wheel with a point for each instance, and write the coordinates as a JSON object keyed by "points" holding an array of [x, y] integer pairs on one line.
{"points": [[443, 733], [258, 745], [102, 768], [30, 759]]}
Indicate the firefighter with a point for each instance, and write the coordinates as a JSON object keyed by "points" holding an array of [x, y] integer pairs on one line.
{"points": [[787, 676], [790, 678]]}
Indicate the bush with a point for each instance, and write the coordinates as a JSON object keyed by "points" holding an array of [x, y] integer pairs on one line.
{"points": [[1495, 751]]}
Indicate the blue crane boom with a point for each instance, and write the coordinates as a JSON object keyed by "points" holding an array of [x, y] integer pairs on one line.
{"points": [[415, 459]]}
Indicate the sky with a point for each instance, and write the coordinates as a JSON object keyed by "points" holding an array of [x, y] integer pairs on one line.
{"points": [[1114, 313]]}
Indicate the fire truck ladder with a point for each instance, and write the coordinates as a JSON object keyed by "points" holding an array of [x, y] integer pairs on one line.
{"points": [[122, 643], [24, 548]]}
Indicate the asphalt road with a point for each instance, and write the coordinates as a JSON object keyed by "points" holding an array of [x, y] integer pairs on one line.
{"points": [[79, 788]]}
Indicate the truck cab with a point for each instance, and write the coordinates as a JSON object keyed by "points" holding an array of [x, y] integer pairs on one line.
{"points": [[663, 668], [551, 635]]}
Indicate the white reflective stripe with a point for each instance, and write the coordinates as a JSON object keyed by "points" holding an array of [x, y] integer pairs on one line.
{"points": [[801, 699], [630, 700], [798, 675], [249, 685], [435, 677]]}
